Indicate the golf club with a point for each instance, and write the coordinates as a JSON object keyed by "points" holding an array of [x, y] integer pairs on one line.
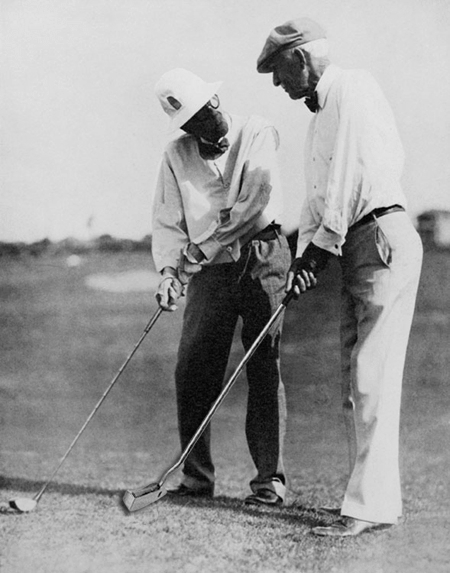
{"points": [[25, 504], [144, 496]]}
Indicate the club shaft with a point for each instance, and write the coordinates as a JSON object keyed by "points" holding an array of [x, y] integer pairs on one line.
{"points": [[227, 388], [99, 403]]}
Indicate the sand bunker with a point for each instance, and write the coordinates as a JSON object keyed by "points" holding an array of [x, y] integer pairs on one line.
{"points": [[130, 281]]}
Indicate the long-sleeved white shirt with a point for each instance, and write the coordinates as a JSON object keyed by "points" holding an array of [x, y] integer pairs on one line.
{"points": [[353, 158], [217, 204]]}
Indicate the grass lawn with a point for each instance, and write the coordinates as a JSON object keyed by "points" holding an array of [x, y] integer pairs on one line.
{"points": [[62, 341]]}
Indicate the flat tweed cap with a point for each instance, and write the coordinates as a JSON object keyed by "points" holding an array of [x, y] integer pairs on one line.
{"points": [[289, 35]]}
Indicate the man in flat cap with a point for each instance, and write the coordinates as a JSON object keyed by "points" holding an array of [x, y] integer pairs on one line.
{"points": [[355, 211], [216, 226]]}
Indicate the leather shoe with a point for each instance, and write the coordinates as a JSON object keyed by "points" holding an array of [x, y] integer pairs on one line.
{"points": [[333, 511], [263, 497], [185, 491], [348, 527]]}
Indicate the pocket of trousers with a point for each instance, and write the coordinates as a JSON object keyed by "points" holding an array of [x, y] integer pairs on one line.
{"points": [[271, 262], [383, 247]]}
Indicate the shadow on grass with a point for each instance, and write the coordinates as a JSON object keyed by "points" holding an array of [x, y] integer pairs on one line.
{"points": [[295, 514], [21, 484]]}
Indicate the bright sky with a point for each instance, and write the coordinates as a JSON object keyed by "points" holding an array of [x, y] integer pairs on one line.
{"points": [[82, 132]]}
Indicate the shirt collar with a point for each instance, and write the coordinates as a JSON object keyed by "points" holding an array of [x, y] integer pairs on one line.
{"points": [[324, 84], [231, 134]]}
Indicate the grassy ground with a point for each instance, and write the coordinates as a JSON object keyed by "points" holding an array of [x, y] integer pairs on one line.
{"points": [[61, 344]]}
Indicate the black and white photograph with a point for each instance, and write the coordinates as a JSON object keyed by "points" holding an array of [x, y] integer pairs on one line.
{"points": [[224, 286]]}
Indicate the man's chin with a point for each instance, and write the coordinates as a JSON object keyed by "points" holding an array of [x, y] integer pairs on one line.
{"points": [[295, 95]]}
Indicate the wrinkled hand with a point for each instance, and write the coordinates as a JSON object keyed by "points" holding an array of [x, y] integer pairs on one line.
{"points": [[170, 289], [302, 275]]}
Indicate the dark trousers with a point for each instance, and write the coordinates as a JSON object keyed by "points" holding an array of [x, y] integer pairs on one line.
{"points": [[251, 288]]}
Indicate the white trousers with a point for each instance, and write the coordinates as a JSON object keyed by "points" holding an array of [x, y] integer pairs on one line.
{"points": [[381, 265]]}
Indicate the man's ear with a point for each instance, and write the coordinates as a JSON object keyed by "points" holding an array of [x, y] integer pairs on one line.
{"points": [[300, 56]]}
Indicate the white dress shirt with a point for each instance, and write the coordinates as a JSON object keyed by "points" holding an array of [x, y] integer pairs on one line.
{"points": [[217, 204], [353, 158]]}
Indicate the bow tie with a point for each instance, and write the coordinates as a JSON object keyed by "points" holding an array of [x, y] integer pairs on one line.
{"points": [[212, 150], [312, 102]]}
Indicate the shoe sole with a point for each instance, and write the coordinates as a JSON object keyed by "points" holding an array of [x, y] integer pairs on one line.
{"points": [[260, 502], [208, 495]]}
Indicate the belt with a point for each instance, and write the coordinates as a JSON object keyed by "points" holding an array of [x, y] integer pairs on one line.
{"points": [[375, 214], [269, 233]]}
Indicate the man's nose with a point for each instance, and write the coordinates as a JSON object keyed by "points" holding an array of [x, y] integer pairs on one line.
{"points": [[275, 79]]}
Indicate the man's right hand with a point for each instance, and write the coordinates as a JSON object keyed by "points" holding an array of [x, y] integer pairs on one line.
{"points": [[299, 279], [302, 275], [169, 290]]}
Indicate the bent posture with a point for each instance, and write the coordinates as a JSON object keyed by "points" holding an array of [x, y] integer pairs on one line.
{"points": [[216, 227], [355, 210]]}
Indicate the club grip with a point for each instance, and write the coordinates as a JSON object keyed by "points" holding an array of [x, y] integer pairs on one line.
{"points": [[287, 299]]}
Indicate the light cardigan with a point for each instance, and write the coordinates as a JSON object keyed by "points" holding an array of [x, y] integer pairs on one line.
{"points": [[217, 204]]}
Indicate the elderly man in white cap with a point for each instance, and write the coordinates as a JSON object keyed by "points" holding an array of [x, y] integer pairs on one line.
{"points": [[216, 226], [355, 210]]}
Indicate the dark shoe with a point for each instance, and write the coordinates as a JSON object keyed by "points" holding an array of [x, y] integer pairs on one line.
{"points": [[348, 527], [263, 497], [185, 491], [333, 511]]}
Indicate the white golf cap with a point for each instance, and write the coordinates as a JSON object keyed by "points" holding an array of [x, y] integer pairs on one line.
{"points": [[182, 94]]}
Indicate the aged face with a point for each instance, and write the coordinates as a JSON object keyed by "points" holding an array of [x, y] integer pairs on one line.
{"points": [[292, 73], [209, 122]]}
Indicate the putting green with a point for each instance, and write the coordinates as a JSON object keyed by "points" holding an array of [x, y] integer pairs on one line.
{"points": [[128, 281]]}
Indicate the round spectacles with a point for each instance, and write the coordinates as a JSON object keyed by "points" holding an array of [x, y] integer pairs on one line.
{"points": [[214, 102]]}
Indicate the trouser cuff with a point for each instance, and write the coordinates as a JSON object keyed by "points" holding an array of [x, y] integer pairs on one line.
{"points": [[367, 514]]}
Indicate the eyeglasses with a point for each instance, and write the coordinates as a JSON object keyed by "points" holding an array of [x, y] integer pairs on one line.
{"points": [[214, 102]]}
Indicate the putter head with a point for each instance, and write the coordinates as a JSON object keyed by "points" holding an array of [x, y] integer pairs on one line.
{"points": [[23, 504], [140, 498]]}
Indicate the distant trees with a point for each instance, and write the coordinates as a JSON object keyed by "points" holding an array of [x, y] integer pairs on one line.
{"points": [[434, 228], [105, 243]]}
